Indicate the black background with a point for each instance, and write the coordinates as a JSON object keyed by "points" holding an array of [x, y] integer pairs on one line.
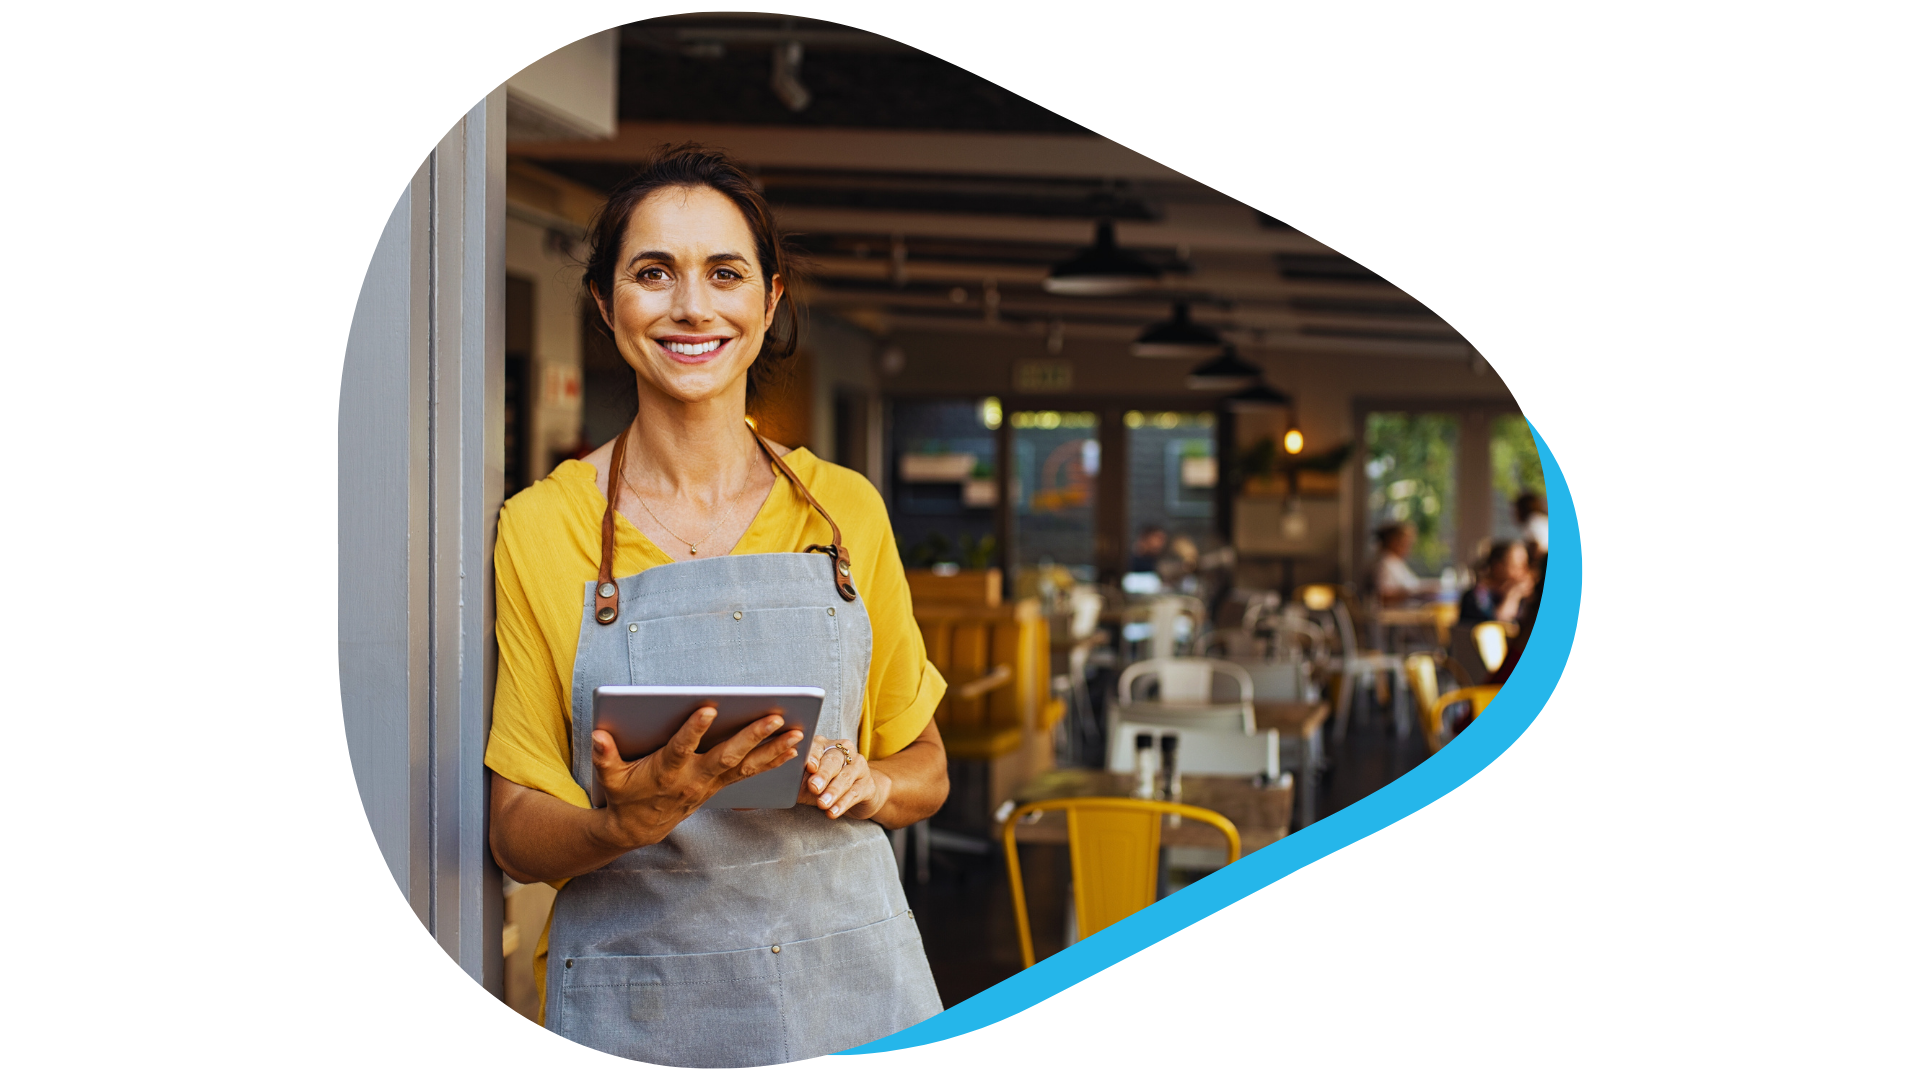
{"points": [[1440, 162]]}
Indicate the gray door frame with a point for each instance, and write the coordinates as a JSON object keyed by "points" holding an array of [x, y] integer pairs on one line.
{"points": [[422, 460]]}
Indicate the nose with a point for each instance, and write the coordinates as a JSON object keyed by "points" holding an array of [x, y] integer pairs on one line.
{"points": [[692, 301]]}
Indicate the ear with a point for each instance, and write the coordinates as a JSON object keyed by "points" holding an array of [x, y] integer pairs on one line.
{"points": [[776, 288], [600, 304]]}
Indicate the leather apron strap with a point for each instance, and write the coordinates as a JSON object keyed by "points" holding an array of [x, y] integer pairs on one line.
{"points": [[606, 592]]}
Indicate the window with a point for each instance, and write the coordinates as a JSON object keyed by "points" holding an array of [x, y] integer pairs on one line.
{"points": [[1412, 476], [1516, 470]]}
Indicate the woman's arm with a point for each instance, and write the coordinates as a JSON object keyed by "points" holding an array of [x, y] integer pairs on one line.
{"points": [[896, 792], [537, 837]]}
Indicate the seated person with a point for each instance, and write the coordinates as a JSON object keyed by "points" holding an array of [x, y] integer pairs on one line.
{"points": [[1503, 582], [1390, 578], [1147, 550], [1530, 513]]}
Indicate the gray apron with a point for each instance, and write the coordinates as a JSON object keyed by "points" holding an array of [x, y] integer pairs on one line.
{"points": [[744, 937]]}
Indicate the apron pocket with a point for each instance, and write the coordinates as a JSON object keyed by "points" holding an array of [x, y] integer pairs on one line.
{"points": [[850, 988], [705, 1010]]}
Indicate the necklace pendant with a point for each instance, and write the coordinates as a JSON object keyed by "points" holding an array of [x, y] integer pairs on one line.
{"points": [[691, 550]]}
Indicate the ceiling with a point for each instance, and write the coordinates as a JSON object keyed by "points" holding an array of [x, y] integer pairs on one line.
{"points": [[926, 198]]}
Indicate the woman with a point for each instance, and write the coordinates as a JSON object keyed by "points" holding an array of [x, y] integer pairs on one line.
{"points": [[1504, 581], [1393, 581], [691, 551]]}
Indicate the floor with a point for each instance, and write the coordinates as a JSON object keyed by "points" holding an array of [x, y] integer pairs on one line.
{"points": [[966, 913]]}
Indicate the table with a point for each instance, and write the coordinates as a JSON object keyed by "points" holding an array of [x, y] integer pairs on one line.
{"points": [[1299, 723]]}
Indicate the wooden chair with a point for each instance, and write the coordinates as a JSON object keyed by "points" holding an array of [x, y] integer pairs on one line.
{"points": [[999, 708], [1114, 846]]}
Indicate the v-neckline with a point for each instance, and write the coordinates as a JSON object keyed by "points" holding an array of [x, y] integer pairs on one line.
{"points": [[753, 523]]}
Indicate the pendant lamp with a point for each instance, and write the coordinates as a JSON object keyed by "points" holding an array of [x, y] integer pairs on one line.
{"points": [[1179, 338], [1101, 270], [1225, 372]]}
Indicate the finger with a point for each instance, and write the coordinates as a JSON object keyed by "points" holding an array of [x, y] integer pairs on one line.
{"points": [[841, 783], [771, 754], [606, 755], [729, 754], [855, 795], [831, 765], [813, 753], [685, 744]]}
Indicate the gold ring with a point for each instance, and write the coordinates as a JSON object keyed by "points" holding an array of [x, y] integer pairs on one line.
{"points": [[845, 754]]}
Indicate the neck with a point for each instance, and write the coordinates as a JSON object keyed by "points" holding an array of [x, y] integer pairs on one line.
{"points": [[703, 449]]}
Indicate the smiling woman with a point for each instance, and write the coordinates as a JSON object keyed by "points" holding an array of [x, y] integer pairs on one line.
{"points": [[683, 934]]}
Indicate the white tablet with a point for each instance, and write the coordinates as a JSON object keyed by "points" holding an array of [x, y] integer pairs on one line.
{"points": [[642, 719]]}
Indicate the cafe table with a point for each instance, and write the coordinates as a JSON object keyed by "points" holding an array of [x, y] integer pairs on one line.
{"points": [[1299, 724]]}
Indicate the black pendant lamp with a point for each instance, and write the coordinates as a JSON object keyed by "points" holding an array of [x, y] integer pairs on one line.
{"points": [[1102, 270], [1179, 338], [1225, 372]]}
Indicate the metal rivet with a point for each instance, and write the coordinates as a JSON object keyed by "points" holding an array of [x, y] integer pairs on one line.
{"points": [[846, 568], [776, 948], [632, 627], [606, 615], [606, 589], [910, 916], [736, 616], [569, 963], [829, 612]]}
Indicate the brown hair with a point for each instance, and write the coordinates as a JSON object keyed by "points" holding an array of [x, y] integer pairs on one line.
{"points": [[691, 165]]}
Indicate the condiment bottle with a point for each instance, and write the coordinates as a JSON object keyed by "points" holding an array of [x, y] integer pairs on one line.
{"points": [[1146, 766]]}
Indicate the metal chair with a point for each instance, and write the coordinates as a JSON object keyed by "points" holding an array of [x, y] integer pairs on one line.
{"points": [[1189, 681], [1114, 846], [1490, 640], [1354, 664], [1477, 698]]}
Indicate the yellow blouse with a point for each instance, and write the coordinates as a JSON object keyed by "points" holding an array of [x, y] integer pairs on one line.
{"points": [[549, 547]]}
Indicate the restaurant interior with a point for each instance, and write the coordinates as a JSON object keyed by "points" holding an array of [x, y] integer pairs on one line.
{"points": [[1210, 530]]}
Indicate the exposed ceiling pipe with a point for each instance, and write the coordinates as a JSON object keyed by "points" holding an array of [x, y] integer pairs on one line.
{"points": [[786, 76]]}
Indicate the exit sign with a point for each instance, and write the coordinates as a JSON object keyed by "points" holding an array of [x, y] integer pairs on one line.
{"points": [[1043, 376]]}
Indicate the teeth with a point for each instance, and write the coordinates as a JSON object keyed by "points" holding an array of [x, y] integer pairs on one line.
{"points": [[701, 349]]}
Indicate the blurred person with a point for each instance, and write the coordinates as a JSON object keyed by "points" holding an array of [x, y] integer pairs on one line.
{"points": [[1390, 578], [1530, 513], [1148, 547], [1501, 585]]}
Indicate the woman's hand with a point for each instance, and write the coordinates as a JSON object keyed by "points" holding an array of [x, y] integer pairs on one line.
{"points": [[538, 837], [648, 797], [843, 783]]}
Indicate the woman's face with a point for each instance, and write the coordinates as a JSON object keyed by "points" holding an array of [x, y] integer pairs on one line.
{"points": [[1400, 542], [689, 306]]}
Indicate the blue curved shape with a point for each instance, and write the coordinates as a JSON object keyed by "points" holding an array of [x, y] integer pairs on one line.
{"points": [[1510, 713]]}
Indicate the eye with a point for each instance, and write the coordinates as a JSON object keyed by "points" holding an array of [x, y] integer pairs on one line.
{"points": [[727, 273], [651, 273]]}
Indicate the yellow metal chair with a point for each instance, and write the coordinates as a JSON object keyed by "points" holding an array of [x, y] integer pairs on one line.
{"points": [[1491, 640], [1477, 699], [1114, 845]]}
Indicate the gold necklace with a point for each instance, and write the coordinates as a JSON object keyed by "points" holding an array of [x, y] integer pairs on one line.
{"points": [[693, 546]]}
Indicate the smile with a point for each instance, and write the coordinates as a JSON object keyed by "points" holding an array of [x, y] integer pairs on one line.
{"points": [[687, 348]]}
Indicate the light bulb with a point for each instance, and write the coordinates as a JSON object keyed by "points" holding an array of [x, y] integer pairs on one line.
{"points": [[1293, 441]]}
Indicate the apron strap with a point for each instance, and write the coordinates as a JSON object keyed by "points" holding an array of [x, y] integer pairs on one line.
{"points": [[606, 593], [837, 551]]}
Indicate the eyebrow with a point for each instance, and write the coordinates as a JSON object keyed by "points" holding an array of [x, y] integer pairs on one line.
{"points": [[665, 256]]}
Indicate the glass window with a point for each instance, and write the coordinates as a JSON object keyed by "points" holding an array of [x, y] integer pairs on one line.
{"points": [[1056, 472], [1411, 476], [1516, 470], [944, 492]]}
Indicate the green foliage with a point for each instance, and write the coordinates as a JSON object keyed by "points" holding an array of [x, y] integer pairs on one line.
{"points": [[1516, 461], [1411, 466], [971, 553], [1264, 461]]}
